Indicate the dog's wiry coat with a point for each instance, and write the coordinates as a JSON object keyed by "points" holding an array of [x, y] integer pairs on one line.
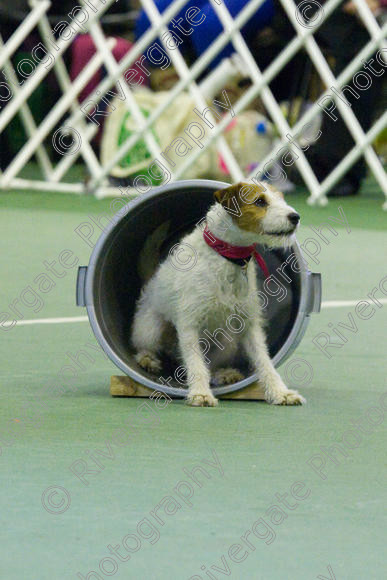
{"points": [[201, 299]]}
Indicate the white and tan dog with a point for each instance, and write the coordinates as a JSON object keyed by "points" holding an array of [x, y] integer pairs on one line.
{"points": [[200, 299]]}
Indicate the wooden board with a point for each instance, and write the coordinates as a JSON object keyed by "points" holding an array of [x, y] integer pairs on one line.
{"points": [[123, 386]]}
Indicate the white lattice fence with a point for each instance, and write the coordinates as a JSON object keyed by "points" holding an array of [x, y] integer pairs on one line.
{"points": [[80, 117]]}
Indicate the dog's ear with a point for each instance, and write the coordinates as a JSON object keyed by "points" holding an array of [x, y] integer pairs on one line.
{"points": [[224, 196]]}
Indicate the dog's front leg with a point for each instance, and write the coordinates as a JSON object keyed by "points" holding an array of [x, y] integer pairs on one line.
{"points": [[198, 374], [276, 392]]}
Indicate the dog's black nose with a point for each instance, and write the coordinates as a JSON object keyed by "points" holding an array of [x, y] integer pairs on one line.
{"points": [[294, 218]]}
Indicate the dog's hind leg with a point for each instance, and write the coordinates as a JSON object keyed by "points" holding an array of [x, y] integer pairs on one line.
{"points": [[198, 374], [222, 365], [147, 329], [227, 376]]}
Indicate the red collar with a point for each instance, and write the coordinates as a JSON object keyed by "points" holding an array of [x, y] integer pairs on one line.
{"points": [[237, 254]]}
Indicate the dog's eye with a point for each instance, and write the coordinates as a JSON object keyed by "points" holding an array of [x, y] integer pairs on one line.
{"points": [[260, 203]]}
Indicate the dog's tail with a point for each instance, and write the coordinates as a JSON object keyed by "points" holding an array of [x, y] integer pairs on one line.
{"points": [[149, 257]]}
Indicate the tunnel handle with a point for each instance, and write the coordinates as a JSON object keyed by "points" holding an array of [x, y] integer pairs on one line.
{"points": [[80, 289], [313, 292]]}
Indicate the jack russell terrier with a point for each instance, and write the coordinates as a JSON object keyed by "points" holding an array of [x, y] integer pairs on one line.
{"points": [[184, 304]]}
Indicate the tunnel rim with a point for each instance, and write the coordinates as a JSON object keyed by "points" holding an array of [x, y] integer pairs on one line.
{"points": [[295, 335]]}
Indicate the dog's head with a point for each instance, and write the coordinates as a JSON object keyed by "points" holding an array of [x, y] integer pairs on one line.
{"points": [[260, 212]]}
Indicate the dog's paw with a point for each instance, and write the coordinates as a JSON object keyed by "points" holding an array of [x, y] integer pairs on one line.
{"points": [[288, 397], [202, 400], [227, 376], [148, 361]]}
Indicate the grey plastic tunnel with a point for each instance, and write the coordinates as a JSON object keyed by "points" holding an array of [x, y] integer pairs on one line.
{"points": [[110, 285]]}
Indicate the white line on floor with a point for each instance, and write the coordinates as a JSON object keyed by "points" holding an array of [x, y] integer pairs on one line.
{"points": [[340, 303], [52, 320], [326, 304]]}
